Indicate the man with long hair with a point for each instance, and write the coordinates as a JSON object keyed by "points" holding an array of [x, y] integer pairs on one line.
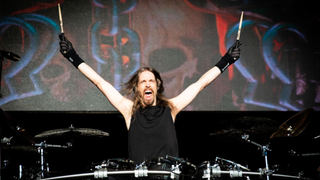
{"points": [[149, 116]]}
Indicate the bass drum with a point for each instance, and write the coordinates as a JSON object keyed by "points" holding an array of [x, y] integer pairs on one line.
{"points": [[180, 170]]}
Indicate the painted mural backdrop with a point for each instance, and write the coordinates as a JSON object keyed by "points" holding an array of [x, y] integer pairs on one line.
{"points": [[278, 69]]}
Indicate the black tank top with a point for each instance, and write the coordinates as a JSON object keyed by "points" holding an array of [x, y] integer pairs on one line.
{"points": [[152, 134]]}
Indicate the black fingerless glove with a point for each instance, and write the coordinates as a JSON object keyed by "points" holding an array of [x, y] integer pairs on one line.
{"points": [[68, 52], [225, 62], [73, 57], [230, 57]]}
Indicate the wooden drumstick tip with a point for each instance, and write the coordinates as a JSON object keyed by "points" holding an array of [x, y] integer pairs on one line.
{"points": [[60, 18]]}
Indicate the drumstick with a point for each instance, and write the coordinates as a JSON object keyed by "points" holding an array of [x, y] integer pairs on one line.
{"points": [[239, 32], [240, 24], [60, 18], [61, 24]]}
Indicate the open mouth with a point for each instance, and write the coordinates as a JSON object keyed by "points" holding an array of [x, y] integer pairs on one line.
{"points": [[148, 94]]}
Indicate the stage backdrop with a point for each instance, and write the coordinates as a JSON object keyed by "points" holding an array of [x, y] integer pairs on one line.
{"points": [[278, 69]]}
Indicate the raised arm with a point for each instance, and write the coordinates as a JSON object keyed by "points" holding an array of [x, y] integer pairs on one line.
{"points": [[186, 97], [121, 103]]}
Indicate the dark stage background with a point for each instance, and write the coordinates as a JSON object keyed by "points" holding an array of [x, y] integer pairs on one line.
{"points": [[276, 77], [202, 136]]}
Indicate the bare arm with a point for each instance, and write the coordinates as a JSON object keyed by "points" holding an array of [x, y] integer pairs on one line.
{"points": [[187, 96], [121, 103]]}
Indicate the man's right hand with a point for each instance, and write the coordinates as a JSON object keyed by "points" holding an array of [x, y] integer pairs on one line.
{"points": [[68, 52], [66, 48]]}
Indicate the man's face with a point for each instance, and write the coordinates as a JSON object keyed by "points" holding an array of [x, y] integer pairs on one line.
{"points": [[147, 88]]}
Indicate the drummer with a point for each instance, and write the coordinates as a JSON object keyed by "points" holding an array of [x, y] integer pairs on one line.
{"points": [[149, 116]]}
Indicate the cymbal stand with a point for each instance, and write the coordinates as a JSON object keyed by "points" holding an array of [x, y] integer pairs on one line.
{"points": [[265, 150], [43, 145]]}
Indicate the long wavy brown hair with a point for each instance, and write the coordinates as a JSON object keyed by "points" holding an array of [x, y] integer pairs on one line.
{"points": [[131, 86]]}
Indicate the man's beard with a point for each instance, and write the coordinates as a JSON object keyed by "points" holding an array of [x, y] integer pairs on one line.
{"points": [[148, 102]]}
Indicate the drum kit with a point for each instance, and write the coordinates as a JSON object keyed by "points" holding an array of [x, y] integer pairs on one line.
{"points": [[167, 167]]}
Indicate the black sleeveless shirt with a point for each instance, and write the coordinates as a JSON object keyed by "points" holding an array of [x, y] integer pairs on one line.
{"points": [[152, 134]]}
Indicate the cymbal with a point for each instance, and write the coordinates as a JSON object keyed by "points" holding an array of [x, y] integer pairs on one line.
{"points": [[233, 129], [73, 132], [294, 125]]}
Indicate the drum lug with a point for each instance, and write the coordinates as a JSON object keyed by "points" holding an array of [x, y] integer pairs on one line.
{"points": [[207, 172], [175, 172], [216, 171], [235, 173], [101, 173], [141, 171]]}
